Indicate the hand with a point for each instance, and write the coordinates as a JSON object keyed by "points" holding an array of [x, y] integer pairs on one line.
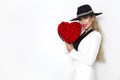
{"points": [[69, 46]]}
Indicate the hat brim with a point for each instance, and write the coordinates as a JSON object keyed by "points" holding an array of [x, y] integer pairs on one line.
{"points": [[78, 18]]}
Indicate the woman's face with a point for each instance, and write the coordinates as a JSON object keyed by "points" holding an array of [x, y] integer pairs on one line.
{"points": [[86, 22]]}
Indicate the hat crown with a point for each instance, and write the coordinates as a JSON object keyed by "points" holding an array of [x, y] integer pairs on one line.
{"points": [[84, 9]]}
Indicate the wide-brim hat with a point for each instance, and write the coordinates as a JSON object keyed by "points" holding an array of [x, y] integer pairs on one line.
{"points": [[85, 10]]}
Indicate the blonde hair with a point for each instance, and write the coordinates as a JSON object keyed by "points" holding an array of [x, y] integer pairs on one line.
{"points": [[96, 26]]}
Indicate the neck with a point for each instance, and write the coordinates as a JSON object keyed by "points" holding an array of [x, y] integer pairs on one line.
{"points": [[86, 30]]}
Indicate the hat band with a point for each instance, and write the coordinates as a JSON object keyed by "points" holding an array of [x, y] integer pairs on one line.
{"points": [[84, 13]]}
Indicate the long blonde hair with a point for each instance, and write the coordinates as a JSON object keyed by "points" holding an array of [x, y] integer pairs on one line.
{"points": [[96, 26]]}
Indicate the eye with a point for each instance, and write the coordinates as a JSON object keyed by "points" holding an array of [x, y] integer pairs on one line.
{"points": [[80, 19], [85, 17]]}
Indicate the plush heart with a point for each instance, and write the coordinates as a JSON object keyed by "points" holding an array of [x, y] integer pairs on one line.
{"points": [[69, 32]]}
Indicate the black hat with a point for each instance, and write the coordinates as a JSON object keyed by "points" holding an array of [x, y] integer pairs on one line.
{"points": [[84, 10]]}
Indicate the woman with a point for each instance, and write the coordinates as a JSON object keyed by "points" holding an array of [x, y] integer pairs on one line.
{"points": [[88, 47]]}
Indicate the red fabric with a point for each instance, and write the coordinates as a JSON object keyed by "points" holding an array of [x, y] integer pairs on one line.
{"points": [[69, 32]]}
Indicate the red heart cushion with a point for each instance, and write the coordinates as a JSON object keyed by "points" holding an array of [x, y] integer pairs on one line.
{"points": [[69, 32]]}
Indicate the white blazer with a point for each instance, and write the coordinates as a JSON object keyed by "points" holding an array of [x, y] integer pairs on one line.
{"points": [[84, 58]]}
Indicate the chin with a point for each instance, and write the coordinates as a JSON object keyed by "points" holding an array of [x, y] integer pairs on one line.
{"points": [[86, 28]]}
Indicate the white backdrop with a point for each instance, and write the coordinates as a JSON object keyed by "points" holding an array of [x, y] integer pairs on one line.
{"points": [[30, 48]]}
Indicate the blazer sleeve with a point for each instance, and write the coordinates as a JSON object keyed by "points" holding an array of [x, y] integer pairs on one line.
{"points": [[87, 49]]}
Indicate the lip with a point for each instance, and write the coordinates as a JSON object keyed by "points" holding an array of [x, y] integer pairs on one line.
{"points": [[84, 25]]}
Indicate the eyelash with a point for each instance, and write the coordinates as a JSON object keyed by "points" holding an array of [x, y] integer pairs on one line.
{"points": [[86, 17], [83, 18]]}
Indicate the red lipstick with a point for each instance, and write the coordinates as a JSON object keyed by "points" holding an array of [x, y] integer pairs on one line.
{"points": [[84, 25]]}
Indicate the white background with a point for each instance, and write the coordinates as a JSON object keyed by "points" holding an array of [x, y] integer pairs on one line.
{"points": [[30, 48]]}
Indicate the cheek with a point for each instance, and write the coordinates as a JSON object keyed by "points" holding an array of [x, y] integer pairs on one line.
{"points": [[89, 22]]}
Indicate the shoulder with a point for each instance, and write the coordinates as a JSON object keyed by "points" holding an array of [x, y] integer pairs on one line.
{"points": [[92, 37], [94, 34]]}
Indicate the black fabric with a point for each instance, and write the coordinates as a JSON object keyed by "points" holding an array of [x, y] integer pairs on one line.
{"points": [[77, 42], [85, 10]]}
